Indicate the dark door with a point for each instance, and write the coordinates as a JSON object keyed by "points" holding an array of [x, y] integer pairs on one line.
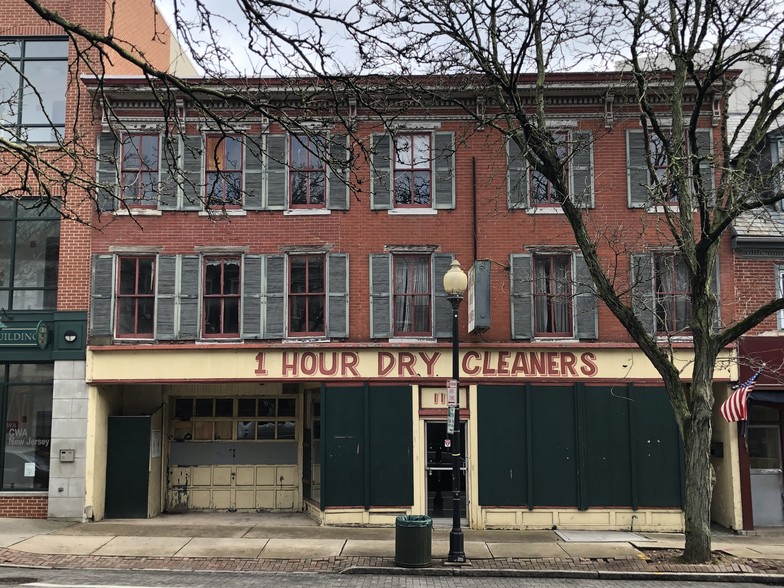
{"points": [[438, 473], [128, 467]]}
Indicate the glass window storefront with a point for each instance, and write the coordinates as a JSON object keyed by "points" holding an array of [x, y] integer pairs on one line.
{"points": [[27, 406]]}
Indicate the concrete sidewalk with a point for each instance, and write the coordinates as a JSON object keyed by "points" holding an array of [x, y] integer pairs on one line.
{"points": [[293, 542]]}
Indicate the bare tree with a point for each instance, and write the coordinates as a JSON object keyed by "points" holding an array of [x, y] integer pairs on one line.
{"points": [[496, 59]]}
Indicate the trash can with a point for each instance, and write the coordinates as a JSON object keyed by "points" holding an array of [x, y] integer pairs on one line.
{"points": [[413, 541]]}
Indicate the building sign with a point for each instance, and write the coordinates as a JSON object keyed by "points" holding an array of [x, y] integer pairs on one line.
{"points": [[37, 336]]}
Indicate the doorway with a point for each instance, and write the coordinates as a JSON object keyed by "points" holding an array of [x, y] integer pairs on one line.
{"points": [[765, 463], [438, 471]]}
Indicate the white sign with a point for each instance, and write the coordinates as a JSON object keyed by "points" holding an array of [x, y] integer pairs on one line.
{"points": [[447, 443], [29, 470], [155, 443], [451, 392], [450, 420]]}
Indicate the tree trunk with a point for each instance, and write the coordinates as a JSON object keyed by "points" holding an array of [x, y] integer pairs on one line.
{"points": [[699, 474]]}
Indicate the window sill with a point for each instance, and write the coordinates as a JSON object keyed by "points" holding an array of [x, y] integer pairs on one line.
{"points": [[409, 340], [674, 339], [134, 340], [545, 210], [413, 211], [662, 209], [204, 341], [555, 340], [220, 212], [300, 340], [306, 212], [138, 212]]}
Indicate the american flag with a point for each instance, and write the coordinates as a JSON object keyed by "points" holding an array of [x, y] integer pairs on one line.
{"points": [[735, 407]]}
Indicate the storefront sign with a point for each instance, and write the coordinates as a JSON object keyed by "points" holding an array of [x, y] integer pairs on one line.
{"points": [[37, 336]]}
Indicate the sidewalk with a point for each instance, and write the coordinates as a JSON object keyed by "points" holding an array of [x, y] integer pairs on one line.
{"points": [[293, 542]]}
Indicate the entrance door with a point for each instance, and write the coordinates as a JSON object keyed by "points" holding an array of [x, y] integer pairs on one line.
{"points": [[438, 471], [767, 493]]}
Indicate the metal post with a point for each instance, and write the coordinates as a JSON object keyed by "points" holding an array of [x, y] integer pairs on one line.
{"points": [[456, 549]]}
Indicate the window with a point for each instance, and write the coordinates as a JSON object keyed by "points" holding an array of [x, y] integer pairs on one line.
{"points": [[139, 170], [26, 395], [542, 192], [673, 304], [222, 297], [412, 295], [135, 296], [308, 172], [412, 171], [662, 169], [29, 255], [229, 419], [224, 172], [552, 295], [33, 84], [306, 295]]}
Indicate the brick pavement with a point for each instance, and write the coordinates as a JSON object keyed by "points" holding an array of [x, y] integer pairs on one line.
{"points": [[656, 564]]}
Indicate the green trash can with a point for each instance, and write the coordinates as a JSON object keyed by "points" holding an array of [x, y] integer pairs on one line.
{"points": [[413, 541]]}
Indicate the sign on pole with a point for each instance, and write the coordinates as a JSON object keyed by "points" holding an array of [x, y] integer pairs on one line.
{"points": [[450, 420], [451, 392]]}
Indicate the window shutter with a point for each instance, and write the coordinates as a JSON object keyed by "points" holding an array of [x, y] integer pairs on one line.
{"points": [[193, 172], [516, 176], [586, 323], [581, 169], [251, 296], [381, 178], [643, 298], [442, 308], [166, 284], [254, 174], [337, 295], [169, 181], [522, 296], [274, 301], [380, 295], [705, 153], [107, 174], [779, 277], [338, 171], [716, 289], [189, 294], [444, 171], [636, 169], [277, 175], [102, 296]]}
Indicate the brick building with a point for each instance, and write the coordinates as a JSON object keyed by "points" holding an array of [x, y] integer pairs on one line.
{"points": [[44, 258], [269, 329]]}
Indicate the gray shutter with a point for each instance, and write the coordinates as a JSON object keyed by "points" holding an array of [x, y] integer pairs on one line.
{"points": [[442, 308], [444, 171], [705, 153], [522, 301], [166, 284], [338, 173], [516, 176], [108, 159], [586, 323], [193, 172], [102, 295], [381, 174], [380, 295], [337, 295], [581, 169], [251, 296], [274, 301], [636, 169], [643, 298], [169, 180], [188, 292], [716, 289], [277, 176], [254, 174]]}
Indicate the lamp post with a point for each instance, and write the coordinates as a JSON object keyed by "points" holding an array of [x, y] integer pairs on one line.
{"points": [[455, 282]]}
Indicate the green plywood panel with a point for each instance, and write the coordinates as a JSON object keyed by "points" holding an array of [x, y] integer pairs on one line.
{"points": [[127, 467], [342, 423], [390, 446], [656, 447], [502, 448], [607, 467], [554, 452]]}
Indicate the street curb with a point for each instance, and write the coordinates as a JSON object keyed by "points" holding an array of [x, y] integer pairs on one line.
{"points": [[768, 579]]}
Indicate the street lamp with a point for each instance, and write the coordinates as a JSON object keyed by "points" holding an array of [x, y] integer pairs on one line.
{"points": [[455, 282]]}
